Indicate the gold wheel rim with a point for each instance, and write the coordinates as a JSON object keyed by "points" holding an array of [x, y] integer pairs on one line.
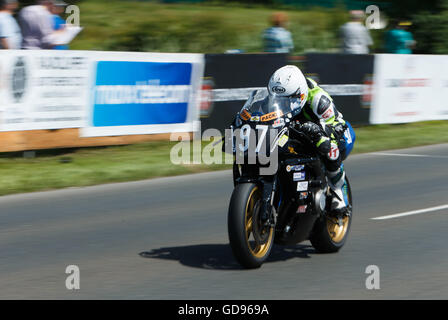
{"points": [[258, 251], [337, 228]]}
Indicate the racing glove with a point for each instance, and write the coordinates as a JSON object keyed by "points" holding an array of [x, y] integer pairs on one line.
{"points": [[339, 130], [316, 135]]}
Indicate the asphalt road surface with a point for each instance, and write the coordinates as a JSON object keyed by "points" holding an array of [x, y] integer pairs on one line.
{"points": [[167, 239]]}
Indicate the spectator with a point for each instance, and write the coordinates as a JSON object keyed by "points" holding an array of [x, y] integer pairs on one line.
{"points": [[277, 38], [10, 36], [37, 26], [354, 35], [399, 39], [57, 8]]}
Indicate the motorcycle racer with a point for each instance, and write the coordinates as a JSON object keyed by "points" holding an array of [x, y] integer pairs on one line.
{"points": [[316, 116]]}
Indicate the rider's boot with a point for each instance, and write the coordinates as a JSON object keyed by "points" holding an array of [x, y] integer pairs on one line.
{"points": [[336, 182]]}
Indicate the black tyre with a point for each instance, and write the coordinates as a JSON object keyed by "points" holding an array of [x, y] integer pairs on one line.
{"points": [[329, 234], [249, 249]]}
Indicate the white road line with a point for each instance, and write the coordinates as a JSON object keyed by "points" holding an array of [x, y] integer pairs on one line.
{"points": [[406, 155], [409, 213]]}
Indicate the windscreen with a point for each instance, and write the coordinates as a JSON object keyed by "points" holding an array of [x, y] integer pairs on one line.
{"points": [[262, 106]]}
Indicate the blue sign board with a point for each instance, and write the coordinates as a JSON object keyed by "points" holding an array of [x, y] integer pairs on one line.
{"points": [[128, 93]]}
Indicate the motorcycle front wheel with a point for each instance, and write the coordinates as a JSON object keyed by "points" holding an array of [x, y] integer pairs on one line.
{"points": [[251, 243]]}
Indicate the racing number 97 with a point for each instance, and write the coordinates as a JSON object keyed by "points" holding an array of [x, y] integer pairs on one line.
{"points": [[245, 133]]}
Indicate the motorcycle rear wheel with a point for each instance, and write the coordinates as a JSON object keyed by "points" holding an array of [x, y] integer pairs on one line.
{"points": [[330, 234], [246, 199]]}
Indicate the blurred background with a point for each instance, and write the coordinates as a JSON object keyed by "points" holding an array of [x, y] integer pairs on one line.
{"points": [[241, 43], [213, 26]]}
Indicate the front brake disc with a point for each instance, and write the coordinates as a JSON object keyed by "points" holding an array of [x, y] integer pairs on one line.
{"points": [[260, 230]]}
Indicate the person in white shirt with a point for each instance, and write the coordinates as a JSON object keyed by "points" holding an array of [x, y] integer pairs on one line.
{"points": [[36, 22], [355, 36], [10, 35]]}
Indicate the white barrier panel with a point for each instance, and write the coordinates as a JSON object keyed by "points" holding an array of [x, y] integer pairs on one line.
{"points": [[43, 89], [409, 88], [105, 93]]}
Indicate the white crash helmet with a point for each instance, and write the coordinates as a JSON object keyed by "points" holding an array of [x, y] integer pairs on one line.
{"points": [[289, 81]]}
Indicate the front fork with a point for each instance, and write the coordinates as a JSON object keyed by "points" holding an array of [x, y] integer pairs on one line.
{"points": [[268, 214], [268, 185]]}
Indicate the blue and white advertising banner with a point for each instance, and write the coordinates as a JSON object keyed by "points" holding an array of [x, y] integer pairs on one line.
{"points": [[144, 93], [103, 93]]}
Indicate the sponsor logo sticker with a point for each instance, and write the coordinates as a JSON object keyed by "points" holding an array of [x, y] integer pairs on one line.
{"points": [[348, 136], [334, 152], [299, 176], [303, 195], [271, 116], [282, 141], [278, 123], [245, 115], [299, 167], [302, 186], [278, 89], [301, 209], [328, 114]]}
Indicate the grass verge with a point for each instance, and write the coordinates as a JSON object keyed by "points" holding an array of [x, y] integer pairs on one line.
{"points": [[90, 166]]}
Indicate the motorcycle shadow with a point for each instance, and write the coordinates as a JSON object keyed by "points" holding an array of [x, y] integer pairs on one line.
{"points": [[220, 257]]}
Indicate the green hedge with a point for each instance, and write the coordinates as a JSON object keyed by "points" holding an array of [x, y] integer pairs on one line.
{"points": [[150, 26]]}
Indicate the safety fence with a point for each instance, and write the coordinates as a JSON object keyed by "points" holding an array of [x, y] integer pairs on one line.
{"points": [[51, 99]]}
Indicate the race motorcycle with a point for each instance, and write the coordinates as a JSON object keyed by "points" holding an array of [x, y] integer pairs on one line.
{"points": [[285, 206]]}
